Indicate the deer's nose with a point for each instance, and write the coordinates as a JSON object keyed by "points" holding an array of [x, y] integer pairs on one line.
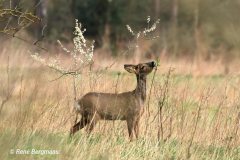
{"points": [[154, 64]]}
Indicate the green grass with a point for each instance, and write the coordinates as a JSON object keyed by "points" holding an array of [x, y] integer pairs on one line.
{"points": [[82, 146]]}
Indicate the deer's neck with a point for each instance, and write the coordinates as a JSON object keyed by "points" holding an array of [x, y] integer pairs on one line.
{"points": [[141, 87]]}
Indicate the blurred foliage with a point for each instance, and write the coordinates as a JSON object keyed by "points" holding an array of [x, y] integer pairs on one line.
{"points": [[216, 22]]}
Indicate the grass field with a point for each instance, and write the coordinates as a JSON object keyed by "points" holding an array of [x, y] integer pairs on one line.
{"points": [[200, 116]]}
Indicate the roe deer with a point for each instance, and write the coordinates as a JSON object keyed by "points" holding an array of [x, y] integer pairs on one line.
{"points": [[124, 106]]}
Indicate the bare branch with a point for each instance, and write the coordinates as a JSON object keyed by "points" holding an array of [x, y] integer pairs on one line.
{"points": [[16, 13]]}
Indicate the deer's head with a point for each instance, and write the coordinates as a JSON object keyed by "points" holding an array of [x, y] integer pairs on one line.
{"points": [[140, 69]]}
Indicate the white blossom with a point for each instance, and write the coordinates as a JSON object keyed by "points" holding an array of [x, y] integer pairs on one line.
{"points": [[82, 54], [144, 32], [148, 19], [152, 28], [130, 29]]}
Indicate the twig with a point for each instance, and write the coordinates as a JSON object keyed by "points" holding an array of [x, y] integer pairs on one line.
{"points": [[16, 13], [26, 19], [164, 94], [203, 100], [149, 97], [24, 40]]}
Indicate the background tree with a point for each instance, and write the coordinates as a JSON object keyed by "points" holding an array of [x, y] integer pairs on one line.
{"points": [[187, 27]]}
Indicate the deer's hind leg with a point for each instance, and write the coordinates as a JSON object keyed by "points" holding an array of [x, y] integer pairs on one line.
{"points": [[81, 124], [92, 122]]}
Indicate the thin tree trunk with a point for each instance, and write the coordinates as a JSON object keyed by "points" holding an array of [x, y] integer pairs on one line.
{"points": [[107, 32], [198, 53], [175, 26], [196, 29], [41, 12], [157, 8]]}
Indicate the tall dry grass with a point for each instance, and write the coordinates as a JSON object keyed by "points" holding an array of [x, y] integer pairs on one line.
{"points": [[194, 114]]}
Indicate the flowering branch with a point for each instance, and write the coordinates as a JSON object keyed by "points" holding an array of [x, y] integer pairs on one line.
{"points": [[81, 55], [143, 33], [146, 30]]}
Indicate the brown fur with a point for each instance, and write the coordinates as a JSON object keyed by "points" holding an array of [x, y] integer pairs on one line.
{"points": [[124, 106]]}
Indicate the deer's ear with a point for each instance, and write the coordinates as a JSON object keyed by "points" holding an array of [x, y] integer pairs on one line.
{"points": [[130, 68]]}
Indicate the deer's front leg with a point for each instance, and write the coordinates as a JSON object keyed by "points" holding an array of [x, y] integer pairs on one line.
{"points": [[93, 121], [82, 123], [136, 127], [130, 128], [91, 125]]}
